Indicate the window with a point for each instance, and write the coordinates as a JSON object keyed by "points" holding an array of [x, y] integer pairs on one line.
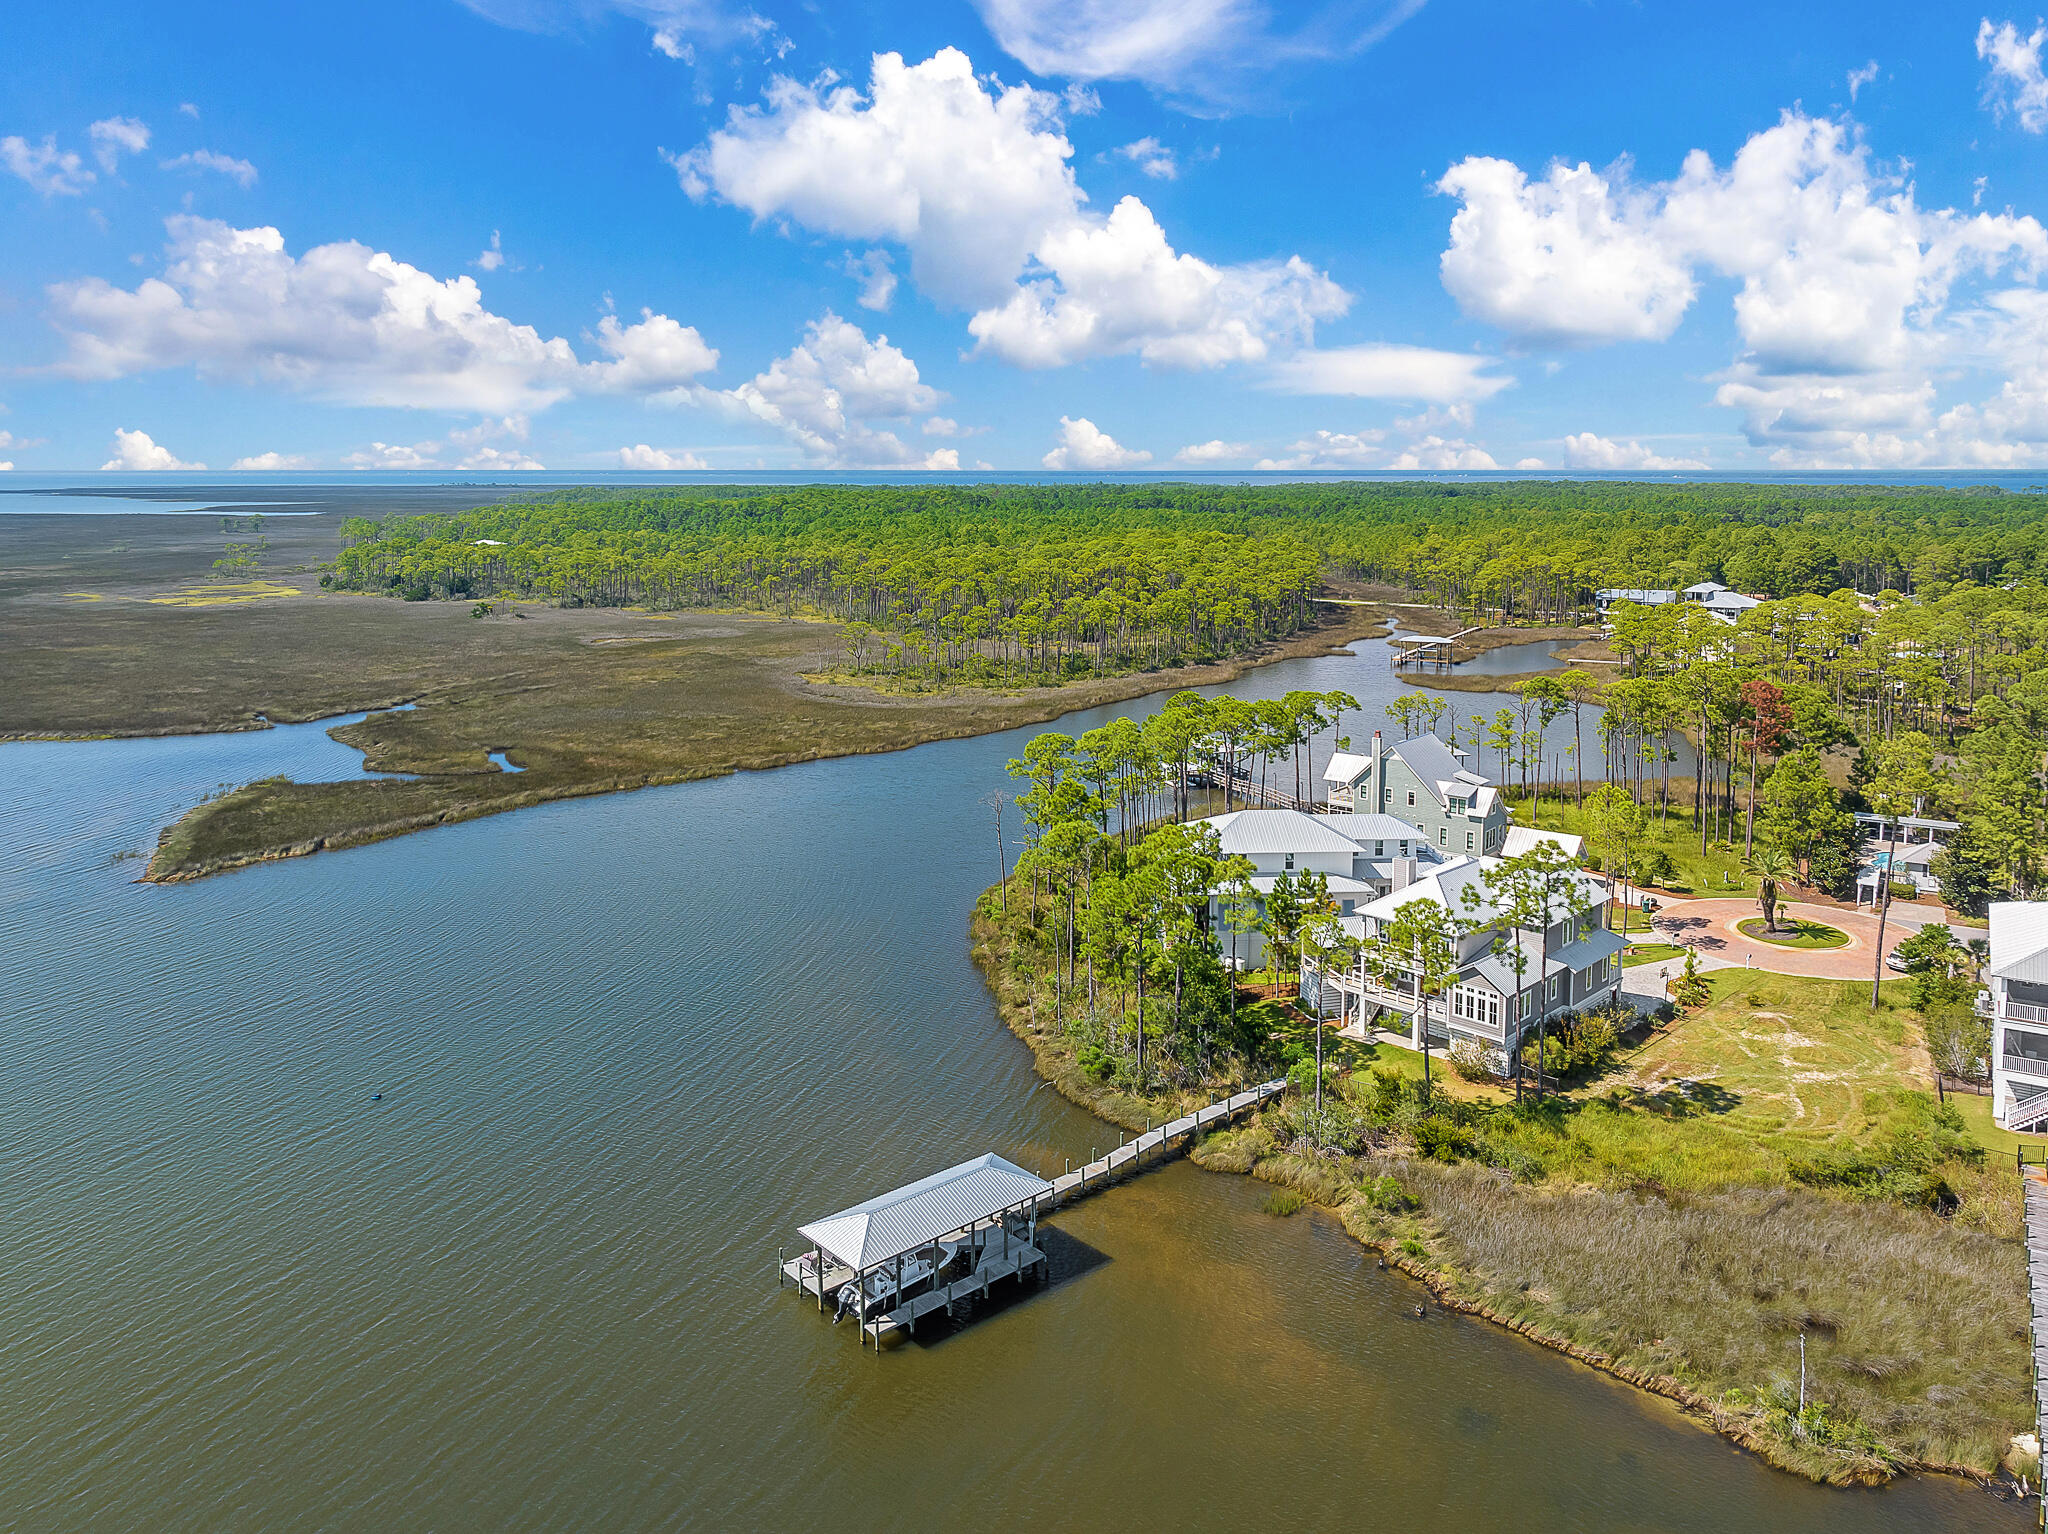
{"points": [[1443, 836], [1457, 805], [1290, 860], [1345, 908], [1470, 840], [1404, 849], [1411, 798], [1379, 849]]}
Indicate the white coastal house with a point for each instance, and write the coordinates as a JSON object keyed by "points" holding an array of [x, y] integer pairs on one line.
{"points": [[1421, 781], [1914, 843], [1723, 602], [1489, 1004], [2016, 997], [1361, 857]]}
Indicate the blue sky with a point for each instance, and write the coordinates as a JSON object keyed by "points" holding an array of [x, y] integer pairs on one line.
{"points": [[681, 234]]}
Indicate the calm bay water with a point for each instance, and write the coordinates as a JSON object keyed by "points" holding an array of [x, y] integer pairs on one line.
{"points": [[624, 1045]]}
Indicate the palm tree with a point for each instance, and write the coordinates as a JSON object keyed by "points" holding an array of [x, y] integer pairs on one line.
{"points": [[1773, 866]]}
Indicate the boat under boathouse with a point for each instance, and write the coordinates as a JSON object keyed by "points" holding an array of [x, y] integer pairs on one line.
{"points": [[925, 1247]]}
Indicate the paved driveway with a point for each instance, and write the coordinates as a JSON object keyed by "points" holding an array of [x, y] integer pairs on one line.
{"points": [[1709, 926]]}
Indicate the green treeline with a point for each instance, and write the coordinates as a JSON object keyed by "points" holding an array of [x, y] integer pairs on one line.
{"points": [[1037, 581]]}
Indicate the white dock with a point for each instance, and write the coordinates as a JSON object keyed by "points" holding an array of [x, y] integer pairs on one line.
{"points": [[1071, 1185], [2034, 1179], [1001, 1229]]}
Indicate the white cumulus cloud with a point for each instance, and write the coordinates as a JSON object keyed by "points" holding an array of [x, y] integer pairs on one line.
{"points": [[113, 137], [1589, 450], [138, 452], [241, 172], [827, 392], [1152, 157], [1377, 371], [641, 456], [877, 276], [1215, 450], [1084, 445], [1852, 297], [46, 168], [1566, 260], [973, 179], [348, 324], [2015, 83], [271, 462], [1333, 450], [1199, 48], [1442, 453]]}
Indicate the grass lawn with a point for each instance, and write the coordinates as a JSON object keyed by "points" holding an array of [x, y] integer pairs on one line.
{"points": [[1718, 871], [1774, 1056], [1651, 953], [1794, 934], [1976, 1112]]}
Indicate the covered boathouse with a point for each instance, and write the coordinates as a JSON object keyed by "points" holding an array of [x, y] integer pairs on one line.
{"points": [[926, 1246]]}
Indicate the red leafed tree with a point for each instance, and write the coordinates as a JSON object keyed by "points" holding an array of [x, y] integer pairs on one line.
{"points": [[1769, 720]]}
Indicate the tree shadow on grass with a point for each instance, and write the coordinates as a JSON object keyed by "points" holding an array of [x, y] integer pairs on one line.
{"points": [[1690, 1099]]}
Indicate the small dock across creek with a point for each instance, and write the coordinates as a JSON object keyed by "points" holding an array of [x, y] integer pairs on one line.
{"points": [[985, 1211], [2034, 1180]]}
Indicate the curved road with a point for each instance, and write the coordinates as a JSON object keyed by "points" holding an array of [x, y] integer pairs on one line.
{"points": [[1709, 927]]}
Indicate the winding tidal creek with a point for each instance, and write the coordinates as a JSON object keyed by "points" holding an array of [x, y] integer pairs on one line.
{"points": [[624, 1046]]}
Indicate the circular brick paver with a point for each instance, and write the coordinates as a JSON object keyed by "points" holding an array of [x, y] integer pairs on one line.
{"points": [[1709, 926]]}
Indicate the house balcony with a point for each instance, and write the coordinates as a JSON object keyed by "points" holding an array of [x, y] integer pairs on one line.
{"points": [[2034, 1067], [2015, 1011]]}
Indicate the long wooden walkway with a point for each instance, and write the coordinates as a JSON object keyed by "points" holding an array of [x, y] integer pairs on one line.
{"points": [[1012, 1256], [2035, 1181], [1154, 1142]]}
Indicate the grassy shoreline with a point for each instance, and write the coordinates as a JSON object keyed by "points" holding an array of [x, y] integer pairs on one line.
{"points": [[666, 708], [1689, 1292]]}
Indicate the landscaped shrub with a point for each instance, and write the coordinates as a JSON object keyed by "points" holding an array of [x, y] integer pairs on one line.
{"points": [[1473, 1061]]}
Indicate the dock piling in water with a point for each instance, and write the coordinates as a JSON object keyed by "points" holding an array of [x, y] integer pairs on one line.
{"points": [[969, 1208]]}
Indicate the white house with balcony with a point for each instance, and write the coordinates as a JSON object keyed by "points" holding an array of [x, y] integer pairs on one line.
{"points": [[2016, 998], [1361, 857], [1495, 1001]]}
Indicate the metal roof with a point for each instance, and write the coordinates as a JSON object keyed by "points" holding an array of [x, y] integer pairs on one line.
{"points": [[1249, 831], [2019, 940], [1345, 767], [916, 1215], [1521, 839]]}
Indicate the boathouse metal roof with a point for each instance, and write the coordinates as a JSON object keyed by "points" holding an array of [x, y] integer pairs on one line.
{"points": [[919, 1213]]}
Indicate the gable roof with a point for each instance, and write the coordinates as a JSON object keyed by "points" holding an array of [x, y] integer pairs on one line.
{"points": [[1521, 839], [2019, 940], [1369, 828], [1431, 760], [916, 1215], [1346, 767], [1244, 832]]}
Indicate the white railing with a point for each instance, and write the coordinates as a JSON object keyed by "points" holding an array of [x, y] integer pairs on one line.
{"points": [[2022, 1012]]}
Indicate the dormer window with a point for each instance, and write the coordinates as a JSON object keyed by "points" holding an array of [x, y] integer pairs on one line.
{"points": [[1457, 804]]}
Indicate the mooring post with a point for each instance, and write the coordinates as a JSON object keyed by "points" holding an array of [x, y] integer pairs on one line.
{"points": [[778, 1267], [818, 1272]]}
